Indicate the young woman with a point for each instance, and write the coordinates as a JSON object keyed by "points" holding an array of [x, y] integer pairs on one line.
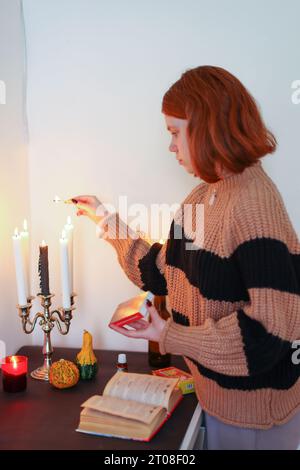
{"points": [[235, 299]]}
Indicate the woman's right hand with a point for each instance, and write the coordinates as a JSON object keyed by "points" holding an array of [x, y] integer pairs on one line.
{"points": [[89, 206]]}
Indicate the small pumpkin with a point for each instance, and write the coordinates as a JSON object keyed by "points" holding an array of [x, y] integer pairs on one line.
{"points": [[63, 374], [86, 360]]}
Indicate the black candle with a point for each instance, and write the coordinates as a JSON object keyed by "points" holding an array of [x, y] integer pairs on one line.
{"points": [[14, 374], [44, 270]]}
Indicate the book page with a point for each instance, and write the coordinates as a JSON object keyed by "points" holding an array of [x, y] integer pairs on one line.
{"points": [[142, 388], [124, 408]]}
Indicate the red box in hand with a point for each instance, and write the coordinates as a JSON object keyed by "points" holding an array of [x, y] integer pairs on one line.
{"points": [[131, 310]]}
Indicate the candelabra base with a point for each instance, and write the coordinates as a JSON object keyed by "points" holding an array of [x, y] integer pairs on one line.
{"points": [[47, 320], [41, 373]]}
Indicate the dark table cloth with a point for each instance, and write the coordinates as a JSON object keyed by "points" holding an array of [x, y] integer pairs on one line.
{"points": [[43, 417]]}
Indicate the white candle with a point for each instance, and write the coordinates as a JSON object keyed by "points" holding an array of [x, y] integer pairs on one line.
{"points": [[20, 269], [25, 251], [65, 275], [69, 229]]}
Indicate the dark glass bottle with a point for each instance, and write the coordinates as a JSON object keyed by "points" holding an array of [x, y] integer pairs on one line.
{"points": [[122, 363], [155, 359]]}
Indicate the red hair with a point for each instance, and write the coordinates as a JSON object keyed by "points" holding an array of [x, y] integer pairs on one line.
{"points": [[224, 123]]}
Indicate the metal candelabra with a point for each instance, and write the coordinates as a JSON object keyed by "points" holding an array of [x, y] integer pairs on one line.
{"points": [[61, 317]]}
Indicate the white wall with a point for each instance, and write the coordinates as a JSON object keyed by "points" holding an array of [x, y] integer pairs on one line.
{"points": [[14, 192], [97, 71]]}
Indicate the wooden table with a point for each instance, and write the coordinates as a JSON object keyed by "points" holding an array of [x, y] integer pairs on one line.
{"points": [[43, 417]]}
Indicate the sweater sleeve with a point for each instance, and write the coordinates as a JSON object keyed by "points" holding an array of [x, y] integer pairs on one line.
{"points": [[143, 263], [253, 339]]}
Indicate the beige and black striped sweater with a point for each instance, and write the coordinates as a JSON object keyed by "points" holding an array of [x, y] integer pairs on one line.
{"points": [[235, 299]]}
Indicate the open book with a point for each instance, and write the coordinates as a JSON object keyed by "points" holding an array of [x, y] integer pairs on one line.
{"points": [[133, 406], [131, 310]]}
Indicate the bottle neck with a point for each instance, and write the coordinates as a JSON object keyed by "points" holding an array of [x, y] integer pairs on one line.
{"points": [[161, 306]]}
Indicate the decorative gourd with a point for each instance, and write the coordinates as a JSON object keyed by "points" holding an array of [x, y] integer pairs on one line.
{"points": [[86, 360], [63, 374]]}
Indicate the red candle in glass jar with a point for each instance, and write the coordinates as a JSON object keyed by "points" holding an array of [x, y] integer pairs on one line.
{"points": [[14, 373]]}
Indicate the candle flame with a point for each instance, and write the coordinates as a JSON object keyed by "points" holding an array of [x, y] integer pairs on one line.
{"points": [[14, 362], [25, 225], [43, 243], [16, 233], [69, 220], [63, 234]]}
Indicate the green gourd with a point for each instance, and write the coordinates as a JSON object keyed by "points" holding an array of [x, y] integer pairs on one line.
{"points": [[86, 360]]}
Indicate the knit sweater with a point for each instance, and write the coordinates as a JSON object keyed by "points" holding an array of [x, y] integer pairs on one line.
{"points": [[235, 299]]}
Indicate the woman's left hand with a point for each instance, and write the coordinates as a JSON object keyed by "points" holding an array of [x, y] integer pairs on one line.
{"points": [[144, 329]]}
